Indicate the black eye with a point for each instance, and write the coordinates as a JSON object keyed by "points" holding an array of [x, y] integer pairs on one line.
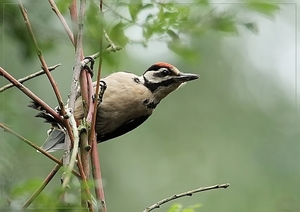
{"points": [[165, 72]]}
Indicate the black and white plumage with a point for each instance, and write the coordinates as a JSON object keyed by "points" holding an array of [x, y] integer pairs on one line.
{"points": [[127, 102]]}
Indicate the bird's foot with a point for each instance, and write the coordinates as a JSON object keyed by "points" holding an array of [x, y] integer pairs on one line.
{"points": [[102, 90], [91, 67]]}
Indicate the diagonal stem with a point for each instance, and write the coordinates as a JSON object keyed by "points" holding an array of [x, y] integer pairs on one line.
{"points": [[42, 186], [30, 94], [5, 128], [29, 77], [184, 194], [62, 20]]}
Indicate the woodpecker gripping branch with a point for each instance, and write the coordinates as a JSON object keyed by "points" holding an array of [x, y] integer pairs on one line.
{"points": [[128, 101]]}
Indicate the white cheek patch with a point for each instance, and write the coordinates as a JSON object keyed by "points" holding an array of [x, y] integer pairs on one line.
{"points": [[150, 76]]}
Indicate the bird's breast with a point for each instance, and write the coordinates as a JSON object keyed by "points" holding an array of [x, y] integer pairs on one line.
{"points": [[124, 99]]}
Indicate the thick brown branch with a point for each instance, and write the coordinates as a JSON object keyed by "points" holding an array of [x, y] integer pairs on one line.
{"points": [[74, 18], [31, 76], [184, 194], [83, 80]]}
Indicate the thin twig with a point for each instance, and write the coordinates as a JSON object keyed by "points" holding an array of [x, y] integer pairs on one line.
{"points": [[51, 79], [96, 171], [31, 95], [184, 194], [74, 18], [42, 186], [6, 129], [62, 20], [122, 17], [42, 60], [31, 76], [112, 47]]}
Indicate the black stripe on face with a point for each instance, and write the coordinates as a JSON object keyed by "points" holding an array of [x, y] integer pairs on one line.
{"points": [[161, 71], [153, 68], [154, 86]]}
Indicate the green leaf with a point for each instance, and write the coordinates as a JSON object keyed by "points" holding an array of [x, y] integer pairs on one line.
{"points": [[63, 5], [147, 32], [191, 208], [146, 6], [117, 34], [203, 2], [183, 50], [175, 208], [25, 188], [93, 22], [224, 24], [265, 8], [134, 8]]}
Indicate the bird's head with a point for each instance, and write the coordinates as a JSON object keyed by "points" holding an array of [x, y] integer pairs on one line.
{"points": [[163, 78]]}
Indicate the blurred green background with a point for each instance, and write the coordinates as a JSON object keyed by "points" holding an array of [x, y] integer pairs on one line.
{"points": [[237, 124]]}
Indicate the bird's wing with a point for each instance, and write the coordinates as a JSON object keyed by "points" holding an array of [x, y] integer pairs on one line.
{"points": [[55, 141], [124, 128]]}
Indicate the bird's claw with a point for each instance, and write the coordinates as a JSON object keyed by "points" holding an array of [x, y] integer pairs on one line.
{"points": [[91, 67], [102, 90]]}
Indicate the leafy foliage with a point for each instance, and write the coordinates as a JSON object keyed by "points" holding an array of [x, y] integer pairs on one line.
{"points": [[171, 22], [263, 7], [168, 22]]}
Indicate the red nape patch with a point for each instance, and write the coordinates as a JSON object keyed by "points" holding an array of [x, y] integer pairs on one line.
{"points": [[163, 64]]}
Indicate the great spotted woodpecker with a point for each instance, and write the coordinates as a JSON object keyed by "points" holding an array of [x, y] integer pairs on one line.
{"points": [[128, 101]]}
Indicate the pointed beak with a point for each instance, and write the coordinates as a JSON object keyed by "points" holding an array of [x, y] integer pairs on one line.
{"points": [[184, 77]]}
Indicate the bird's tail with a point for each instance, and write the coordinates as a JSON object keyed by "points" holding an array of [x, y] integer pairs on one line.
{"points": [[56, 134], [55, 140]]}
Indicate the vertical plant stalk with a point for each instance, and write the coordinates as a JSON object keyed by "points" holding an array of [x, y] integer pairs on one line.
{"points": [[75, 149], [86, 197], [96, 169], [79, 74]]}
